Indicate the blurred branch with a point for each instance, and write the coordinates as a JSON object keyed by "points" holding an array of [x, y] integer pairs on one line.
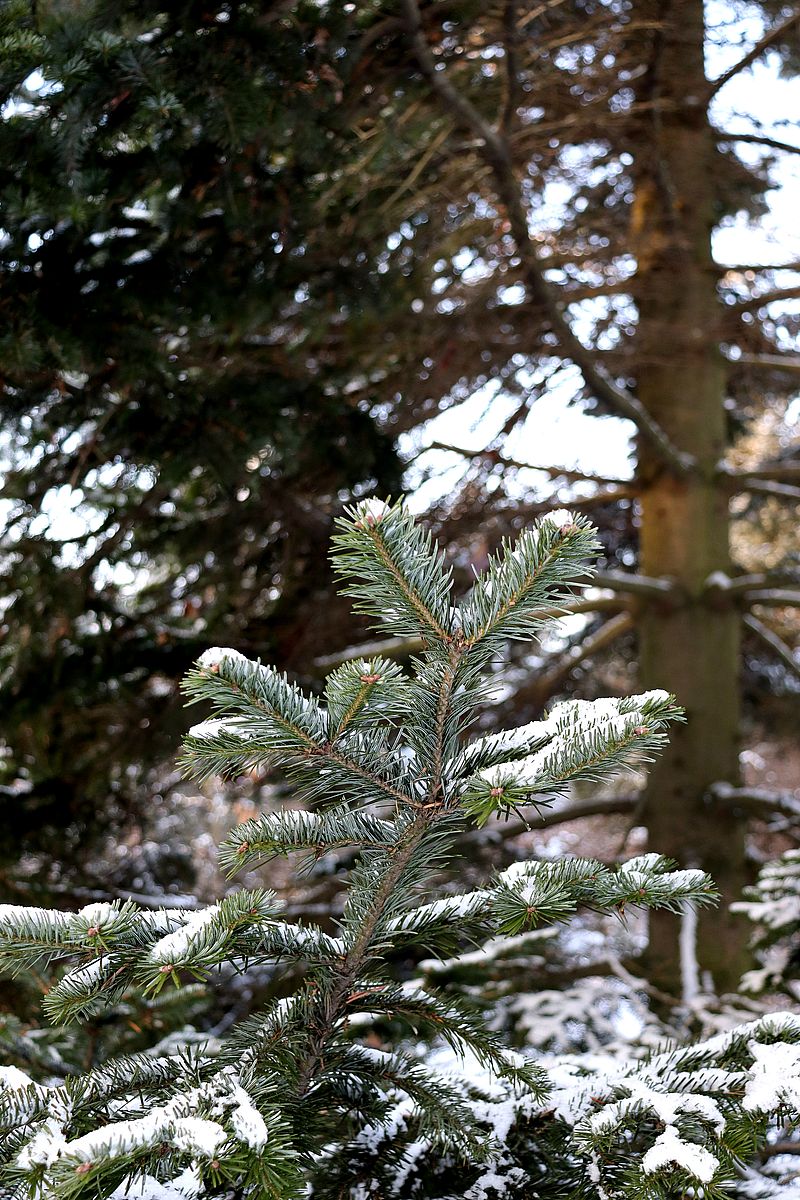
{"points": [[769, 39], [494, 456], [599, 806], [770, 362], [495, 151], [758, 801], [637, 585], [768, 582], [763, 487], [759, 268], [752, 303], [513, 82], [547, 681], [757, 139], [776, 644], [786, 471], [774, 597]]}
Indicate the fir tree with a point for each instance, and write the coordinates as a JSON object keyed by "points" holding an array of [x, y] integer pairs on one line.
{"points": [[160, 346], [296, 1100]]}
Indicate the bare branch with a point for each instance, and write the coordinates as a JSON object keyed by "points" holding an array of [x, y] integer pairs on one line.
{"points": [[496, 153], [758, 801], [494, 456], [741, 584], [637, 585], [757, 140], [776, 644], [758, 268], [763, 487], [753, 303], [769, 39], [511, 47], [787, 472], [547, 682], [401, 647], [774, 597], [771, 362], [600, 806]]}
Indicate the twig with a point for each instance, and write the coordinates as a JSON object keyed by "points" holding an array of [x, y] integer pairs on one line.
{"points": [[769, 39], [775, 643], [609, 632], [759, 801], [757, 140], [774, 597]]}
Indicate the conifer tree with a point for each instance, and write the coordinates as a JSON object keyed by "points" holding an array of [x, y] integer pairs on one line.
{"points": [[296, 1100]]}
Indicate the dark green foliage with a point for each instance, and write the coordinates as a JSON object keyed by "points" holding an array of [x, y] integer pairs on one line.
{"points": [[175, 439]]}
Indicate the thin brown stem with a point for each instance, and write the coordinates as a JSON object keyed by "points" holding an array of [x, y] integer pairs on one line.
{"points": [[763, 44]]}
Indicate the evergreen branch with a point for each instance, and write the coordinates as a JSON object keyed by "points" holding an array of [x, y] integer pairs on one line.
{"points": [[273, 722], [522, 579], [585, 740], [458, 1025], [281, 833], [408, 585], [363, 689]]}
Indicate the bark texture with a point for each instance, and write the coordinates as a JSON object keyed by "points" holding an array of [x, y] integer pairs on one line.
{"points": [[690, 646]]}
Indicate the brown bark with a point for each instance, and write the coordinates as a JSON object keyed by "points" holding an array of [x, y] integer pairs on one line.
{"points": [[690, 647]]}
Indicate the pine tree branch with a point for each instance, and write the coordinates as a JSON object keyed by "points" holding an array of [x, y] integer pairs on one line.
{"points": [[495, 456], [776, 644], [637, 585], [769, 39], [332, 1004], [757, 140], [763, 487], [770, 362], [496, 153], [780, 472], [759, 801], [774, 597]]}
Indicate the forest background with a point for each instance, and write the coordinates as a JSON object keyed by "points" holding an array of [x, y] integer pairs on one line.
{"points": [[261, 260]]}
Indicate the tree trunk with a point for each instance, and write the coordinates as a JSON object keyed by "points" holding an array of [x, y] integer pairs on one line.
{"points": [[690, 648]]}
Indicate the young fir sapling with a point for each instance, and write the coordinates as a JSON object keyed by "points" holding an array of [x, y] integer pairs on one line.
{"points": [[293, 1101]]}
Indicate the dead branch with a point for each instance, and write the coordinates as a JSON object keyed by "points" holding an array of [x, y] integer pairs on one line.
{"points": [[776, 644], [769, 39]]}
